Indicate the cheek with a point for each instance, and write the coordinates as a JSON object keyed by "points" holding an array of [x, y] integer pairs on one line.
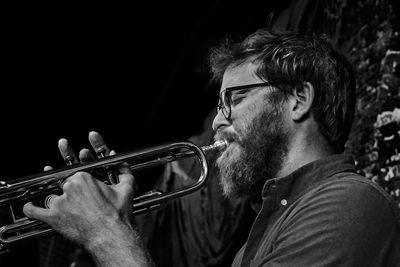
{"points": [[243, 121]]}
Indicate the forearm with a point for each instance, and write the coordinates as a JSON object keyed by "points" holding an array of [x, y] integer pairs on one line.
{"points": [[119, 246]]}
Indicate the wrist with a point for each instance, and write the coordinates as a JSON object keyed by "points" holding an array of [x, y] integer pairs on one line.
{"points": [[114, 232], [118, 245]]}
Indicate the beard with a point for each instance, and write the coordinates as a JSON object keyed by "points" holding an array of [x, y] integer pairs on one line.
{"points": [[255, 156]]}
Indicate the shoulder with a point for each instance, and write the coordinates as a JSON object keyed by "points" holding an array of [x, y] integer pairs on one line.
{"points": [[358, 184], [347, 217], [354, 187], [353, 200]]}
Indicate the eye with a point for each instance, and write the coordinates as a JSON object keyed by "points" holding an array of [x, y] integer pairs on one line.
{"points": [[237, 100], [237, 97]]}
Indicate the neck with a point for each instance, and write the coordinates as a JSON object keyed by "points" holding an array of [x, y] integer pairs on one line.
{"points": [[303, 151]]}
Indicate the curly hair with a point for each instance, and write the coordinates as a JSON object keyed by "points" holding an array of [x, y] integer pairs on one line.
{"points": [[288, 60]]}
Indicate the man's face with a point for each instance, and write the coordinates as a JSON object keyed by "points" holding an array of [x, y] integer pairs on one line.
{"points": [[256, 134]]}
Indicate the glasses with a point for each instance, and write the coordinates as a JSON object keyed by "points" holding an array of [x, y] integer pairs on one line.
{"points": [[225, 97]]}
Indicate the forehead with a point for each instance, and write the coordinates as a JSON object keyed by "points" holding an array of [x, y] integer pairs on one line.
{"points": [[240, 75]]}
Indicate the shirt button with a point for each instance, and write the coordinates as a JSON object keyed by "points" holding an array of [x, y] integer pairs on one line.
{"points": [[283, 202]]}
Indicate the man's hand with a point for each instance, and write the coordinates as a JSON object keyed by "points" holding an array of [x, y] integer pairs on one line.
{"points": [[94, 214], [87, 206]]}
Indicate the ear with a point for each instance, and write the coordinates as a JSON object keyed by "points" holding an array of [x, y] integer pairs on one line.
{"points": [[303, 98]]}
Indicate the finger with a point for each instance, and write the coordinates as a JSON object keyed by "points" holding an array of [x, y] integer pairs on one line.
{"points": [[66, 152], [112, 174], [47, 168], [127, 185], [85, 155], [124, 168], [49, 200], [98, 144], [36, 212], [126, 177], [124, 171]]}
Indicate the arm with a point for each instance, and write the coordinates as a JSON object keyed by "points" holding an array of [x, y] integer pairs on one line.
{"points": [[121, 246]]}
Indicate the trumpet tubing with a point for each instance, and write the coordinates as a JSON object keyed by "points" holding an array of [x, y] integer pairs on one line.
{"points": [[15, 227]]}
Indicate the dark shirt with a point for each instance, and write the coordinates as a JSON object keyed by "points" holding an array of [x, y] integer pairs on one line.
{"points": [[323, 214]]}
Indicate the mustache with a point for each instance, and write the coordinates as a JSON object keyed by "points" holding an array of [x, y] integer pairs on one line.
{"points": [[225, 135]]}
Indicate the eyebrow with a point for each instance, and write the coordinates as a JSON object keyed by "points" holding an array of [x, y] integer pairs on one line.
{"points": [[247, 86]]}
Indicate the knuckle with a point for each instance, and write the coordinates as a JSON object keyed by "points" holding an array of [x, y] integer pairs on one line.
{"points": [[72, 182], [78, 180], [127, 178], [77, 177], [66, 186]]}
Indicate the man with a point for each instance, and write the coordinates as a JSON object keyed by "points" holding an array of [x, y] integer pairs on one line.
{"points": [[286, 108]]}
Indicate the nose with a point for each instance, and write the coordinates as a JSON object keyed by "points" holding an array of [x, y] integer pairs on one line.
{"points": [[219, 121]]}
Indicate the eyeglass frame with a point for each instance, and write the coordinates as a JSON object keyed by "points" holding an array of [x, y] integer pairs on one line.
{"points": [[228, 107]]}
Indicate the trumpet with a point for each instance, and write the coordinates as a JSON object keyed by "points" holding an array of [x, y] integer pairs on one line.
{"points": [[15, 227]]}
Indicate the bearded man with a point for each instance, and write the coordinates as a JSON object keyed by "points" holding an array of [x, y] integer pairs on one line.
{"points": [[286, 107]]}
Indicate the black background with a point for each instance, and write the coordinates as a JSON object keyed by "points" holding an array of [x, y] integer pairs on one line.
{"points": [[136, 73]]}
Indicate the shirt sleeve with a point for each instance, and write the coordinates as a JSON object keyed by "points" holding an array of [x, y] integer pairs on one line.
{"points": [[346, 223]]}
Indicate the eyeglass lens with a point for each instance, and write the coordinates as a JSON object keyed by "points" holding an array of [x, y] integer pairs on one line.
{"points": [[224, 104]]}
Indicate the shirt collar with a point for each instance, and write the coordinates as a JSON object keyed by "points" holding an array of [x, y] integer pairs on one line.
{"points": [[291, 186]]}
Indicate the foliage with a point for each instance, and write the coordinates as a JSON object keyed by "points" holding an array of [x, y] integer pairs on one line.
{"points": [[366, 31]]}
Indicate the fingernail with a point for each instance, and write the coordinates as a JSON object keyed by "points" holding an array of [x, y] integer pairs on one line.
{"points": [[62, 141], [47, 168], [83, 150]]}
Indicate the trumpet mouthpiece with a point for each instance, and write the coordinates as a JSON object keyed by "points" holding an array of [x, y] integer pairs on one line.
{"points": [[221, 144], [218, 145]]}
